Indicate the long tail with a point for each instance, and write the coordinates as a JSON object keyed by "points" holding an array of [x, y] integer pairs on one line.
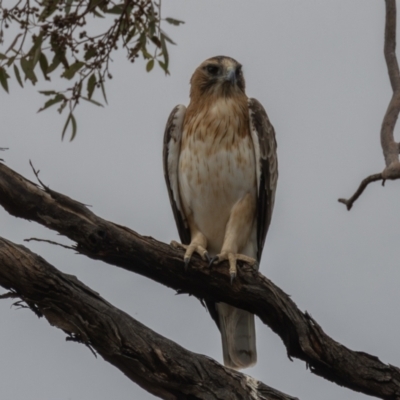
{"points": [[238, 336]]}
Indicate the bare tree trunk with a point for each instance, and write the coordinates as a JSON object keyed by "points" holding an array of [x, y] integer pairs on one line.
{"points": [[157, 364], [251, 291]]}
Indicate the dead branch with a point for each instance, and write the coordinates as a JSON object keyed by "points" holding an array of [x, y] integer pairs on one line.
{"points": [[117, 245], [360, 190], [389, 147], [50, 242], [157, 364]]}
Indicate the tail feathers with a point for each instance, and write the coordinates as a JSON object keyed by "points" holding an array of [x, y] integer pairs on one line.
{"points": [[238, 336]]}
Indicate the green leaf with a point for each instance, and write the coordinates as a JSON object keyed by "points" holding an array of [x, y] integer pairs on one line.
{"points": [[62, 106], [143, 39], [93, 101], [97, 14], [36, 49], [167, 38], [50, 8], [164, 52], [152, 27], [73, 69], [164, 67], [10, 61], [66, 126], [156, 41], [174, 21], [18, 75], [91, 52], [3, 56], [150, 65], [47, 92], [36, 56], [116, 9], [145, 53], [27, 67], [3, 79], [54, 64], [44, 66], [73, 120], [103, 90], [94, 3], [130, 34], [59, 97], [14, 42], [59, 51], [68, 5], [91, 85]]}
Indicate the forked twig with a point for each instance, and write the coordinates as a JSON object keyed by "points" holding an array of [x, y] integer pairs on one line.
{"points": [[360, 190]]}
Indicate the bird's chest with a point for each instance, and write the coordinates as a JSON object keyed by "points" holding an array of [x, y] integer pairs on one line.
{"points": [[217, 163]]}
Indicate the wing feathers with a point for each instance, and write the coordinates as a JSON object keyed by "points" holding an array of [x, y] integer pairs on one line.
{"points": [[171, 151], [264, 142]]}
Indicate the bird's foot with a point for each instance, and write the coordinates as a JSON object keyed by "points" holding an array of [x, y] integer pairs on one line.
{"points": [[189, 250], [232, 258]]}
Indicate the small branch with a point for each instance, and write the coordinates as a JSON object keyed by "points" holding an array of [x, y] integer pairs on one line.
{"points": [[51, 242], [3, 149], [9, 295], [360, 190], [157, 364]]}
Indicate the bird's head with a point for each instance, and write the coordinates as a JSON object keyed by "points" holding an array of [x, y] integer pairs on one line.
{"points": [[219, 76]]}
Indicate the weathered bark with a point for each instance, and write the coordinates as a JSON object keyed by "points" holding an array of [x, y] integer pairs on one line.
{"points": [[390, 148], [157, 364], [120, 246]]}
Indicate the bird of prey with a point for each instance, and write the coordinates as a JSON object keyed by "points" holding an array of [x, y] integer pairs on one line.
{"points": [[221, 170]]}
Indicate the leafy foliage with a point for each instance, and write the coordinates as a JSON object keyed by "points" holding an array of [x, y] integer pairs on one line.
{"points": [[55, 37]]}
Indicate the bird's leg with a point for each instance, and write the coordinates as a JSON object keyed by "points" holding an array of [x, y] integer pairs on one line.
{"points": [[197, 245], [237, 234]]}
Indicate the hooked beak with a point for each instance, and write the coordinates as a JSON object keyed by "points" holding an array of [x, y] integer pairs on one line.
{"points": [[231, 76]]}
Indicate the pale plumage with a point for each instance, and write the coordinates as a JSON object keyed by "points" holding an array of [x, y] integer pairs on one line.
{"points": [[221, 171]]}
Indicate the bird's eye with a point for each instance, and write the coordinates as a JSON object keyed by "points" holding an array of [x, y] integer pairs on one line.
{"points": [[238, 71], [212, 69]]}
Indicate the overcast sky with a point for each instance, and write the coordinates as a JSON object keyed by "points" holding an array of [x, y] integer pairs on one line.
{"points": [[318, 69]]}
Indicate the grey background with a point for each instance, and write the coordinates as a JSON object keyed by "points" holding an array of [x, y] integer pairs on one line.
{"points": [[318, 68]]}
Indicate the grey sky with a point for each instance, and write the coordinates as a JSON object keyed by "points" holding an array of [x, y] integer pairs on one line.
{"points": [[318, 69]]}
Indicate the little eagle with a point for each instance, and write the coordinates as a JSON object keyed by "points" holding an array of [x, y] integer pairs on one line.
{"points": [[221, 170]]}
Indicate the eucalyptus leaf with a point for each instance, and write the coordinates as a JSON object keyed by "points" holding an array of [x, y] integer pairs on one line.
{"points": [[91, 85], [74, 127], [44, 66], [66, 126], [93, 101], [103, 90], [73, 69], [3, 79], [18, 76], [117, 9], [150, 65], [174, 21], [59, 97], [27, 67]]}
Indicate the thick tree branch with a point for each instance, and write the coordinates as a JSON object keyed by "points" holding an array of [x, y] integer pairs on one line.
{"points": [[251, 291], [389, 147], [157, 364]]}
